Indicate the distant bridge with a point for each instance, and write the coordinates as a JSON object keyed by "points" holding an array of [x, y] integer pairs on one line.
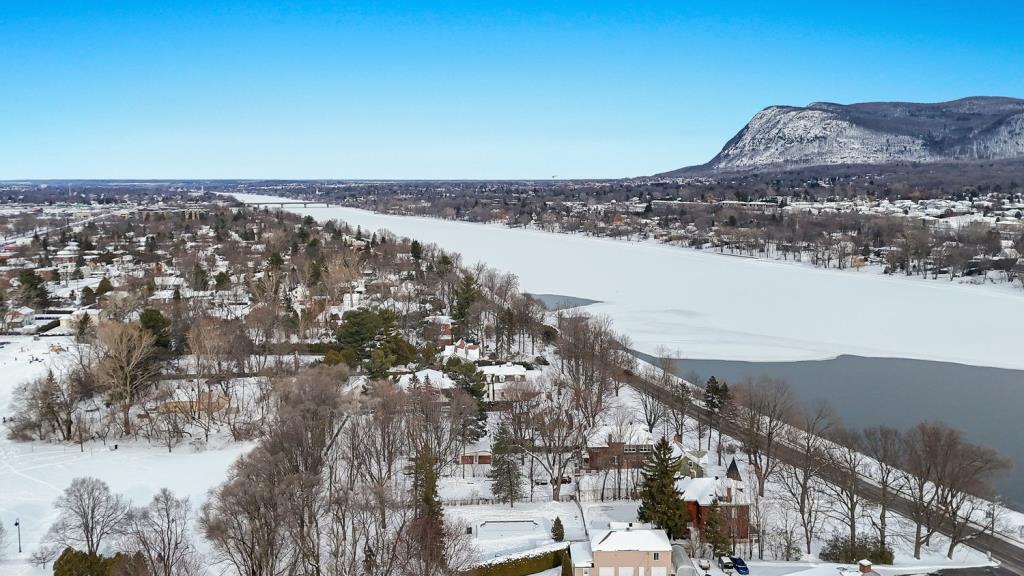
{"points": [[304, 204]]}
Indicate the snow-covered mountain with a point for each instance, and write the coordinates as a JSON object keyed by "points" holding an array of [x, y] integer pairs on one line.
{"points": [[785, 137]]}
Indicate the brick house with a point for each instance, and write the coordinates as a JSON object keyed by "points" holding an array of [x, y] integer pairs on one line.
{"points": [[618, 448], [700, 494]]}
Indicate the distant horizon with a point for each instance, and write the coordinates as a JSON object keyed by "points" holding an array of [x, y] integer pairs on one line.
{"points": [[453, 91]]}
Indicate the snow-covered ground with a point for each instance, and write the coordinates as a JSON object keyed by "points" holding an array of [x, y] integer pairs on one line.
{"points": [[707, 305], [33, 474]]}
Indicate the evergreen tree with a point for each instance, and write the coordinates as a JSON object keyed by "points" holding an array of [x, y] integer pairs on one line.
{"points": [[222, 281], [660, 503], [200, 278], [32, 290], [104, 286], [153, 321], [713, 531], [716, 398], [416, 250], [472, 381], [88, 296], [427, 527], [466, 295], [557, 530], [506, 471]]}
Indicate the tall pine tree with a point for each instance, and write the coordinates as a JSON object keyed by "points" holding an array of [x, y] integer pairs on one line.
{"points": [[468, 378], [506, 472], [660, 503], [466, 294], [426, 532]]}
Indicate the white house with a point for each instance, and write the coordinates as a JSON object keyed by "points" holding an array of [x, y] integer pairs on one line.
{"points": [[499, 376], [20, 317]]}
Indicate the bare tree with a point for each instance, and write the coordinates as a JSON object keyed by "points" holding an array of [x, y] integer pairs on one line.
{"points": [[127, 365], [924, 448], [764, 407], [885, 446], [585, 347], [760, 513], [966, 486], [678, 409], [242, 518], [559, 436], [88, 515], [653, 381], [161, 532], [845, 454], [801, 481]]}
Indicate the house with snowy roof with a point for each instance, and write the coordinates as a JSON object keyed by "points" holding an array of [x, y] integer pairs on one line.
{"points": [[723, 493], [20, 317], [499, 376], [426, 377], [616, 447], [463, 350], [624, 549]]}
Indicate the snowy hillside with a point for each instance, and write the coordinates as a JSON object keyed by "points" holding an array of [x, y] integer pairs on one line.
{"points": [[876, 133]]}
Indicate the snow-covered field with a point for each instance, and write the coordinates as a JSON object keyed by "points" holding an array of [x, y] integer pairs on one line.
{"points": [[33, 474], [706, 305]]}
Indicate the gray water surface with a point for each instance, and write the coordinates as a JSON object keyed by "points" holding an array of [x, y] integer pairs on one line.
{"points": [[555, 302], [986, 403]]}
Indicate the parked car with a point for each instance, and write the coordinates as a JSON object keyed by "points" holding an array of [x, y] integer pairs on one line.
{"points": [[725, 563], [566, 480], [704, 564], [741, 566], [540, 482]]}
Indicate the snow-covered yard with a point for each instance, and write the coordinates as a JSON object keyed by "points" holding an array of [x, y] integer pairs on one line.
{"points": [[33, 474]]}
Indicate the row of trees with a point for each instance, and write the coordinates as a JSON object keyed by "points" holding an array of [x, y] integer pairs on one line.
{"points": [[828, 471], [151, 540]]}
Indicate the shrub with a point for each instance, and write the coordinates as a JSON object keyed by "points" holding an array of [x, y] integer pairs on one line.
{"points": [[557, 530], [524, 566], [838, 549], [77, 563]]}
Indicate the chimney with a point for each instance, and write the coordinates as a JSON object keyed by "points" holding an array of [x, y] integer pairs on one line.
{"points": [[677, 438], [864, 567]]}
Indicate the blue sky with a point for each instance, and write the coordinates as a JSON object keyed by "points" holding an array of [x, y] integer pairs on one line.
{"points": [[105, 89]]}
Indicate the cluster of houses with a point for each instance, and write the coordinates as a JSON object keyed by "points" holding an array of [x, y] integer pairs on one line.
{"points": [[628, 549]]}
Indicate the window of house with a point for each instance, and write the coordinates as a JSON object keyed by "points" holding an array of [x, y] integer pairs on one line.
{"points": [[645, 448], [657, 555], [629, 449]]}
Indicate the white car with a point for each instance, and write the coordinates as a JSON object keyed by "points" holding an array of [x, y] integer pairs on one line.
{"points": [[704, 564]]}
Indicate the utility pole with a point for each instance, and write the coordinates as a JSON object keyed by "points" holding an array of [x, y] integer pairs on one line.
{"points": [[17, 524]]}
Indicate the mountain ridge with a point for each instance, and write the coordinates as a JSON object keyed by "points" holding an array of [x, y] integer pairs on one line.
{"points": [[783, 137]]}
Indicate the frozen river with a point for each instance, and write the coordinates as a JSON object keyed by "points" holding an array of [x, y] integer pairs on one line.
{"points": [[740, 317], [712, 306]]}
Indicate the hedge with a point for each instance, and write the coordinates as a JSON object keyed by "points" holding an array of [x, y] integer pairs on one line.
{"points": [[526, 565]]}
